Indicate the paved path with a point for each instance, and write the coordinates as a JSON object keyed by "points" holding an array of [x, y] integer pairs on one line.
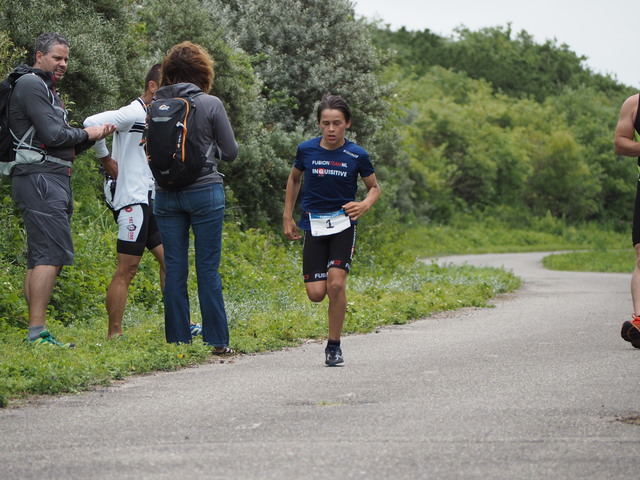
{"points": [[533, 388]]}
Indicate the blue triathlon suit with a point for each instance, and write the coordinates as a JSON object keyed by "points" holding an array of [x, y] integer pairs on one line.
{"points": [[330, 181]]}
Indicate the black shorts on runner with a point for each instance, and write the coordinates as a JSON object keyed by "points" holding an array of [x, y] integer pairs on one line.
{"points": [[137, 229], [319, 254], [635, 232]]}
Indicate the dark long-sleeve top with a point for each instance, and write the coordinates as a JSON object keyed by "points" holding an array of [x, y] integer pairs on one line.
{"points": [[34, 101]]}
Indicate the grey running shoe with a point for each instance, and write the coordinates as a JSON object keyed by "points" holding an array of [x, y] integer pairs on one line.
{"points": [[333, 355]]}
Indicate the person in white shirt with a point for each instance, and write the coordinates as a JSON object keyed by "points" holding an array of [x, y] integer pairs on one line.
{"points": [[132, 199]]}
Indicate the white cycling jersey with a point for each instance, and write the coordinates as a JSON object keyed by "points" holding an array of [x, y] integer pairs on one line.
{"points": [[134, 176]]}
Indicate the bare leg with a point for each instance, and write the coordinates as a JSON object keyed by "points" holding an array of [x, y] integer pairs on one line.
{"points": [[316, 291], [38, 286], [118, 291], [336, 290], [158, 252]]}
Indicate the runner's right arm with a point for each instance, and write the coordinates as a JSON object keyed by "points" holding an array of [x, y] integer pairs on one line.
{"points": [[293, 189]]}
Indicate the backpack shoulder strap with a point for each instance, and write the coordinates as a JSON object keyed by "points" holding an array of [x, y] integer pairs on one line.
{"points": [[192, 96]]}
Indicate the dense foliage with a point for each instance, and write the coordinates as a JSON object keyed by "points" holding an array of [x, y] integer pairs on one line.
{"points": [[469, 148], [495, 119], [513, 63]]}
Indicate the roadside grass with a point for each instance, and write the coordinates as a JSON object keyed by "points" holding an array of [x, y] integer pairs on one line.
{"points": [[609, 261], [469, 234], [587, 248], [265, 299]]}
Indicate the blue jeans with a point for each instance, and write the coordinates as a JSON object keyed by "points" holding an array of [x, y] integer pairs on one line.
{"points": [[202, 209]]}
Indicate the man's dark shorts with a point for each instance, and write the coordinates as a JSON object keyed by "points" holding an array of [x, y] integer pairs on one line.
{"points": [[319, 254], [46, 205], [137, 229]]}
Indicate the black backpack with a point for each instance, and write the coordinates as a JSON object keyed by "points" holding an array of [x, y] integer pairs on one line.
{"points": [[7, 154], [173, 153], [7, 138]]}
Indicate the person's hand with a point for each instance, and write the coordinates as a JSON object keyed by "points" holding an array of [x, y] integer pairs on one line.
{"points": [[291, 229], [98, 132], [110, 166], [355, 209]]}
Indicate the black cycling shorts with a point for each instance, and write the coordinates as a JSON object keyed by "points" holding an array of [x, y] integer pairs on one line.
{"points": [[137, 229], [635, 233], [319, 254]]}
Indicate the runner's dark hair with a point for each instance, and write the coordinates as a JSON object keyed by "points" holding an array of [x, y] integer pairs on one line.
{"points": [[334, 102]]}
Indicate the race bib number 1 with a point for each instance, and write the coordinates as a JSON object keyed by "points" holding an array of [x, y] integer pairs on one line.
{"points": [[329, 223]]}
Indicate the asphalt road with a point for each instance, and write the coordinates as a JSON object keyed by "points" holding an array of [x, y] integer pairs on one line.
{"points": [[541, 387]]}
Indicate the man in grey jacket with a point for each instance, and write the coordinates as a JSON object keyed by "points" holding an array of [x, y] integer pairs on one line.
{"points": [[41, 184]]}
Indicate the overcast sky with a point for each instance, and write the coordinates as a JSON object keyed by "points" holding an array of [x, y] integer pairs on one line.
{"points": [[607, 32]]}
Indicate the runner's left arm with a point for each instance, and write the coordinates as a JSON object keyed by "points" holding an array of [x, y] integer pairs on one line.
{"points": [[356, 209]]}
